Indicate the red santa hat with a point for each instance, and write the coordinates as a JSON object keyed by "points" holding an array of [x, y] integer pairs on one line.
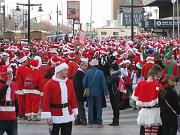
{"points": [[61, 67], [150, 57], [72, 55], [120, 62], [34, 64], [3, 70], [55, 60], [22, 59]]}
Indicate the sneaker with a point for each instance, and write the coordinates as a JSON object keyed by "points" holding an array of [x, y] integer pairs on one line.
{"points": [[29, 118], [90, 126], [35, 118], [99, 126], [114, 124]]}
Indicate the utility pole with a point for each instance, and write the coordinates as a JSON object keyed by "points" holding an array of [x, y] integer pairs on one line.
{"points": [[178, 18], [132, 20], [57, 31], [91, 18]]}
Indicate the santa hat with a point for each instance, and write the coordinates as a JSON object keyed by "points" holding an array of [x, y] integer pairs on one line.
{"points": [[4, 69], [22, 59], [55, 60], [60, 67], [72, 55], [39, 59], [150, 57], [84, 60], [94, 62], [120, 62], [34, 64]]}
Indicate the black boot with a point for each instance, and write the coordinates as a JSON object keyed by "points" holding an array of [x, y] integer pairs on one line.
{"points": [[115, 122]]}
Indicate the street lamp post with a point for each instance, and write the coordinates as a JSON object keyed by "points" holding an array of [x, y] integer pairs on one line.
{"points": [[29, 24], [4, 17], [58, 13]]}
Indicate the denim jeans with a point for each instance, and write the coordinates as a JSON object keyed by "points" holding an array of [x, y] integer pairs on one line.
{"points": [[8, 126], [98, 102]]}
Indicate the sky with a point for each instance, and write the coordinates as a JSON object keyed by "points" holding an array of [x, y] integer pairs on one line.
{"points": [[101, 10]]}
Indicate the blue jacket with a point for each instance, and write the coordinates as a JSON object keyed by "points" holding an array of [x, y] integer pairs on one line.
{"points": [[99, 85]]}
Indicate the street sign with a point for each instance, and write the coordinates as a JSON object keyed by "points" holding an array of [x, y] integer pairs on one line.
{"points": [[161, 24], [137, 18]]}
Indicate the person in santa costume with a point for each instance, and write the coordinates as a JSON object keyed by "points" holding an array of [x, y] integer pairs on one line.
{"points": [[21, 73], [32, 88], [8, 121], [59, 104], [146, 67], [146, 97], [73, 66]]}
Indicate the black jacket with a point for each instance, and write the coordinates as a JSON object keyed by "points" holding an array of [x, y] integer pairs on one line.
{"points": [[167, 116], [78, 85]]}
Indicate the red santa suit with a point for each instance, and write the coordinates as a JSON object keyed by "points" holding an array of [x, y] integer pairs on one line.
{"points": [[59, 93], [34, 90], [7, 102], [20, 77], [73, 67]]}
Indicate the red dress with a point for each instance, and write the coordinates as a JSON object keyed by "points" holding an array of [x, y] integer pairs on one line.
{"points": [[146, 96]]}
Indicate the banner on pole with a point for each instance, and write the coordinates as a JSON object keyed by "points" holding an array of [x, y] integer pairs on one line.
{"points": [[73, 9]]}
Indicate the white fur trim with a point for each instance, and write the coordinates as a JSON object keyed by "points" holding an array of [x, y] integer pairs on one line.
{"points": [[35, 114], [134, 98], [149, 58], [63, 119], [31, 91], [8, 94], [147, 104], [84, 60], [58, 80], [23, 59], [20, 92], [60, 67], [45, 115], [75, 111], [151, 62], [28, 114], [64, 96], [7, 109]]}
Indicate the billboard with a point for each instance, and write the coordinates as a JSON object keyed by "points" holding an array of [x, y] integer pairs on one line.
{"points": [[73, 9], [137, 17]]}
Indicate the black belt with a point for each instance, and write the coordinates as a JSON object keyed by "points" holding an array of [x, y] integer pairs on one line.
{"points": [[59, 105], [149, 107], [7, 103]]}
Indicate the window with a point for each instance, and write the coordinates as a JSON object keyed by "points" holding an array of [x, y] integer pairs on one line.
{"points": [[115, 33], [103, 33]]}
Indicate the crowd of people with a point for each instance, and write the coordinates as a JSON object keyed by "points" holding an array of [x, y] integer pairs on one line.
{"points": [[55, 81]]}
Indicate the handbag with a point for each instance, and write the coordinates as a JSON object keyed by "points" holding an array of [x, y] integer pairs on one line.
{"points": [[177, 115], [87, 90]]}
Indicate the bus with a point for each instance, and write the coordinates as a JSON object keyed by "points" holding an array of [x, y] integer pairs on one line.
{"points": [[12, 35], [39, 35]]}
